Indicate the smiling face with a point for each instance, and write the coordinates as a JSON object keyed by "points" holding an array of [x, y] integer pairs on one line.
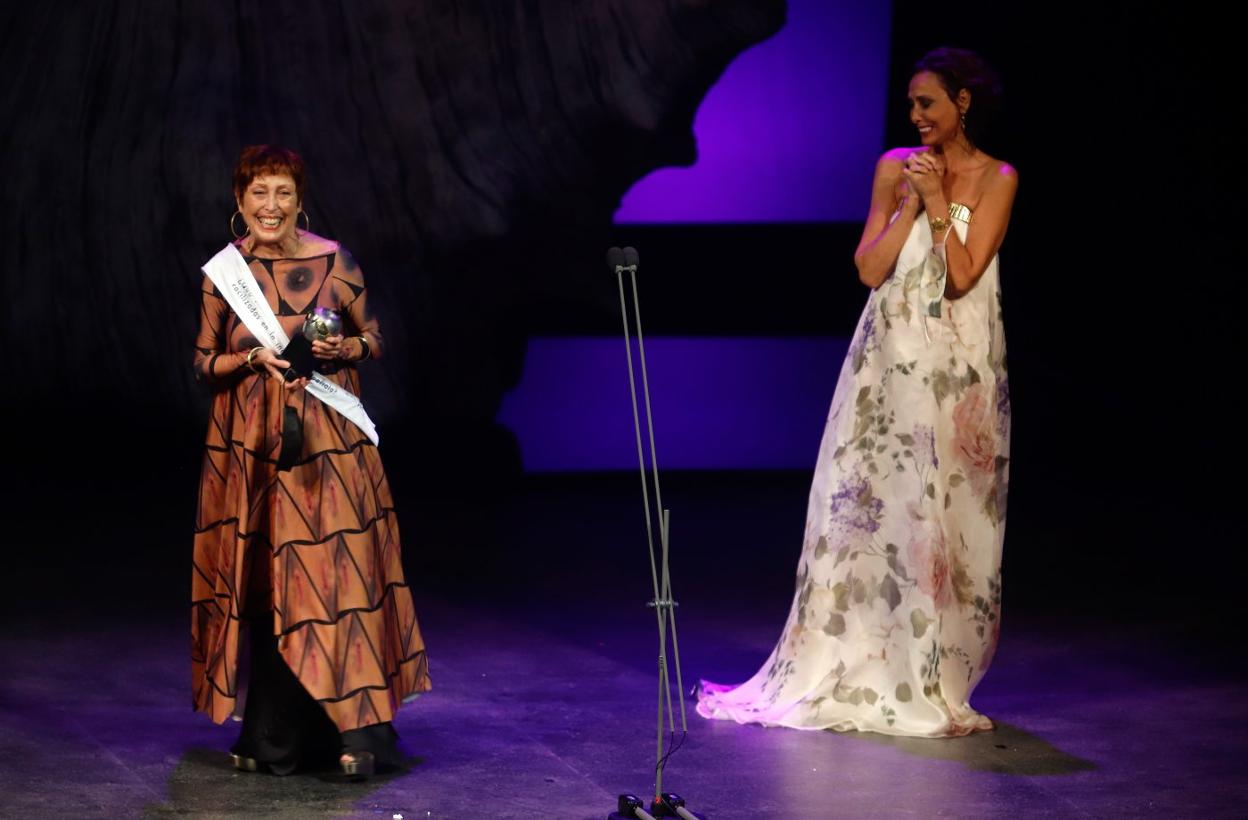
{"points": [[937, 117], [270, 207]]}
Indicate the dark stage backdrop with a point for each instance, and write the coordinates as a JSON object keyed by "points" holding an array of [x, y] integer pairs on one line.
{"points": [[472, 154]]}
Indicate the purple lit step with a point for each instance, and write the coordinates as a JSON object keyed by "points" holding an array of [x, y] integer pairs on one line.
{"points": [[719, 403]]}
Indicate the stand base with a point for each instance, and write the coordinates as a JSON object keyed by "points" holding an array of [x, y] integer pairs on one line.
{"points": [[615, 815]]}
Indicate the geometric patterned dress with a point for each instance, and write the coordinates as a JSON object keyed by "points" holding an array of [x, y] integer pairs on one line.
{"points": [[897, 607], [314, 539]]}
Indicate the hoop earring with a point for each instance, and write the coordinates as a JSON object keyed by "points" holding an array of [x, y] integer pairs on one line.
{"points": [[238, 235], [307, 220]]}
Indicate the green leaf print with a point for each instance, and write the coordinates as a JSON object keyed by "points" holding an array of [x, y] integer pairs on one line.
{"points": [[835, 625], [989, 507], [912, 278], [898, 568], [890, 592], [804, 598], [942, 385], [963, 586], [919, 622], [841, 592]]}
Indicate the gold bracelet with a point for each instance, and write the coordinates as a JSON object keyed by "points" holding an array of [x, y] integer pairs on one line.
{"points": [[939, 223], [250, 354]]}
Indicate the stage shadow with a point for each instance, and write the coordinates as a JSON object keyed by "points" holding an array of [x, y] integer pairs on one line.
{"points": [[1006, 750], [205, 782]]}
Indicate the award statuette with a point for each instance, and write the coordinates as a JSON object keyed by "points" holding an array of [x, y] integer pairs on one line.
{"points": [[317, 326]]}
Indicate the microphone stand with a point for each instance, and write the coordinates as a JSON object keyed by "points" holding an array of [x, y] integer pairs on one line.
{"points": [[621, 262]]}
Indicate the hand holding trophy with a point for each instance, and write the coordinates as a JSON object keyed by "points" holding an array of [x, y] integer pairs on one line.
{"points": [[318, 325]]}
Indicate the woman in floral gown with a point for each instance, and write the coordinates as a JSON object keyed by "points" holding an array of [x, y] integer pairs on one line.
{"points": [[897, 609]]}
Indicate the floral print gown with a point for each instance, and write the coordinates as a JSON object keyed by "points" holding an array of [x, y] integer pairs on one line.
{"points": [[897, 609]]}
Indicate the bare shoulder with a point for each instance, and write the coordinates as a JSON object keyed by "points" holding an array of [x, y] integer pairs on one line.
{"points": [[1001, 175]]}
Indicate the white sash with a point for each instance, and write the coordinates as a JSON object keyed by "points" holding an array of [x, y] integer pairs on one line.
{"points": [[230, 273]]}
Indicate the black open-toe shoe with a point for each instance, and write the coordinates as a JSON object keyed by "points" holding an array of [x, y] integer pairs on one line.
{"points": [[357, 765]]}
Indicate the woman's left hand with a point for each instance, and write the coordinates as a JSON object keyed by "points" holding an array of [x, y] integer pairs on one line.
{"points": [[330, 348], [925, 172]]}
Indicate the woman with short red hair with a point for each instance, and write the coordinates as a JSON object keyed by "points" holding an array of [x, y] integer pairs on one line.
{"points": [[295, 531]]}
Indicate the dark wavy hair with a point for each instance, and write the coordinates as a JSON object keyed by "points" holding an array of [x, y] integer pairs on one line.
{"points": [[957, 69], [261, 160]]}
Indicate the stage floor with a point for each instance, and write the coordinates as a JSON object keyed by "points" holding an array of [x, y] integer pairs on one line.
{"points": [[544, 685]]}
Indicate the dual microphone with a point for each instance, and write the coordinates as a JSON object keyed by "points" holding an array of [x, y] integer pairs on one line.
{"points": [[620, 260]]}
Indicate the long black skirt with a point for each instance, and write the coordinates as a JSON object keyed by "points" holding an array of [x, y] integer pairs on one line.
{"points": [[285, 729]]}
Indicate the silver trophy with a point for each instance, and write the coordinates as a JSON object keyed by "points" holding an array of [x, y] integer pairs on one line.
{"points": [[318, 325]]}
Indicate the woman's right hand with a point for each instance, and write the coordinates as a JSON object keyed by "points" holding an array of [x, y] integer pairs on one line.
{"points": [[277, 368], [907, 200], [922, 173]]}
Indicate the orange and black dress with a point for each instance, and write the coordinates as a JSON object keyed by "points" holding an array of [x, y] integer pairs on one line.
{"points": [[299, 541]]}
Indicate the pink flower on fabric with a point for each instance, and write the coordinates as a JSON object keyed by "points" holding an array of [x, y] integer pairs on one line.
{"points": [[928, 556], [975, 441]]}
